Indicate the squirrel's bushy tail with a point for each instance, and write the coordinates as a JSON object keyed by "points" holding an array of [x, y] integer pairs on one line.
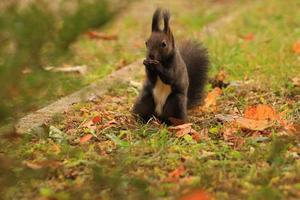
{"points": [[196, 59]]}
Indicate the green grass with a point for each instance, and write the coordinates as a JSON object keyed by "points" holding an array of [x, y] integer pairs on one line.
{"points": [[268, 58], [129, 160]]}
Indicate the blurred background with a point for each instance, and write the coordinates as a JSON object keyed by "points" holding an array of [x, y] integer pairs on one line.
{"points": [[39, 58]]}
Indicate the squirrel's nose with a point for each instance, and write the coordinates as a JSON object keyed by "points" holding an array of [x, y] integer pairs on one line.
{"points": [[151, 56]]}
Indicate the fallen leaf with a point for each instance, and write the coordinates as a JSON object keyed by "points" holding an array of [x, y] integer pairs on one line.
{"points": [[230, 136], [174, 175], [97, 119], [86, 138], [197, 195], [196, 136], [211, 98], [296, 47], [100, 35], [248, 37], [112, 122], [84, 110], [183, 129], [89, 124], [251, 124], [261, 112], [266, 112], [255, 125], [177, 172]]}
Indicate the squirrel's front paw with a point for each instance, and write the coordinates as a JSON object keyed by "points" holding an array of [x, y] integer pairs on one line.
{"points": [[150, 64], [147, 62]]}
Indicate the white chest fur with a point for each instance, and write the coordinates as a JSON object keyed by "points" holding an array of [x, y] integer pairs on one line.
{"points": [[161, 91]]}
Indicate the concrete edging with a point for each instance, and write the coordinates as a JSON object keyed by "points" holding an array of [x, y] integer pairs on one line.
{"points": [[98, 88]]}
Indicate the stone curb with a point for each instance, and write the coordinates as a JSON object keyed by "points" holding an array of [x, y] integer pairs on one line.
{"points": [[96, 89]]}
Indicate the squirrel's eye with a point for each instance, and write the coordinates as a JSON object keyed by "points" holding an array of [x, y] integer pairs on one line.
{"points": [[163, 44], [146, 43]]}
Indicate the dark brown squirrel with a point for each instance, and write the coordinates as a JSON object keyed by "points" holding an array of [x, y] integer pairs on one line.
{"points": [[175, 76]]}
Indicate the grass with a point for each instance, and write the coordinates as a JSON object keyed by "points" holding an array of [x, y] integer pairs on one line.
{"points": [[129, 160]]}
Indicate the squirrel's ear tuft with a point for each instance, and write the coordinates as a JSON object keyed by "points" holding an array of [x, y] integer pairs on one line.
{"points": [[156, 20], [166, 16]]}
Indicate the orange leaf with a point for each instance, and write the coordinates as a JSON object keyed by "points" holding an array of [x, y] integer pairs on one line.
{"points": [[86, 138], [196, 136], [183, 129], [255, 125], [248, 37], [175, 174], [296, 47], [261, 112], [251, 124], [197, 195], [96, 119], [211, 98]]}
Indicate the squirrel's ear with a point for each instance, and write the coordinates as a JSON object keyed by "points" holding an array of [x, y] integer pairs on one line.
{"points": [[166, 16], [156, 20]]}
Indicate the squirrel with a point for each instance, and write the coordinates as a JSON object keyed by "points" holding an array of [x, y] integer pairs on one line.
{"points": [[175, 76]]}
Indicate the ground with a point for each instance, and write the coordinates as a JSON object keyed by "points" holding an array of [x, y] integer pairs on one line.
{"points": [[97, 150]]}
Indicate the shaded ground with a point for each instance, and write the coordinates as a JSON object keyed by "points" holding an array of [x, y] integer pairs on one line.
{"points": [[97, 150]]}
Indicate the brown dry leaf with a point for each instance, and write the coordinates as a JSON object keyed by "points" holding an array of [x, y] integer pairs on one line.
{"points": [[89, 124], [256, 125], [175, 174], [84, 110], [97, 119], [248, 37], [230, 136], [196, 136], [100, 35], [292, 128], [211, 98], [86, 138], [261, 112], [296, 47], [266, 112], [181, 130], [197, 195]]}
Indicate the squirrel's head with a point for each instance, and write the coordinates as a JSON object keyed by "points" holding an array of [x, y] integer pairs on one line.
{"points": [[160, 45]]}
